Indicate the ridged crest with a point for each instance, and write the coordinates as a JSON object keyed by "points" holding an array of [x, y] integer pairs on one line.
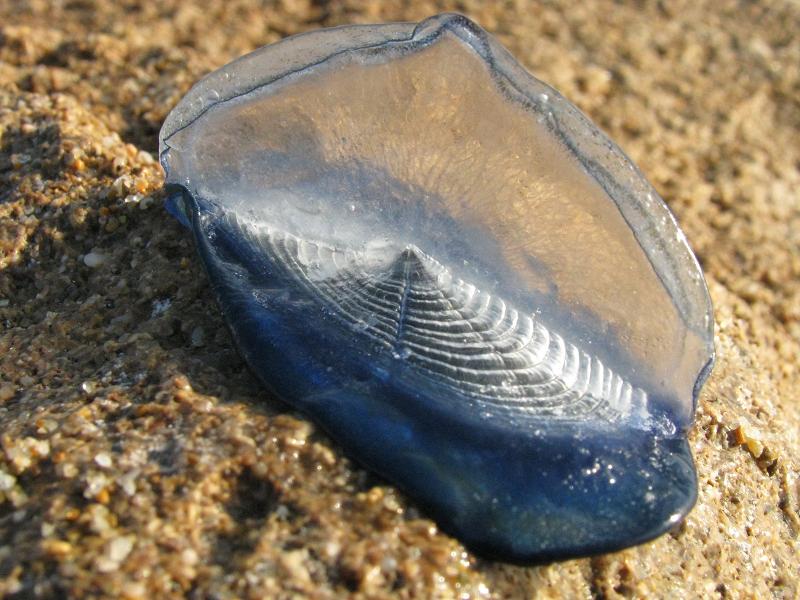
{"points": [[451, 332]]}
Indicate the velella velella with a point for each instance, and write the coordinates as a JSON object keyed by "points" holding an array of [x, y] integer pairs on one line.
{"points": [[450, 269]]}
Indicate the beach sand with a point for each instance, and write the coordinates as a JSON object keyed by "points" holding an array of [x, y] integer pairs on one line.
{"points": [[140, 458]]}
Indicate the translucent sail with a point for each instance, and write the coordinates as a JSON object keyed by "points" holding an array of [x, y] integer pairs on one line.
{"points": [[445, 264]]}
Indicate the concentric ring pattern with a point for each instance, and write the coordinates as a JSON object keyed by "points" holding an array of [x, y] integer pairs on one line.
{"points": [[476, 344]]}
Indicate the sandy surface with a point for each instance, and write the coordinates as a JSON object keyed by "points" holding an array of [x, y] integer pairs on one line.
{"points": [[140, 459]]}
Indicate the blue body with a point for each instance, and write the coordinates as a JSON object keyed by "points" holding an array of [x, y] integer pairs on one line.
{"points": [[517, 494]]}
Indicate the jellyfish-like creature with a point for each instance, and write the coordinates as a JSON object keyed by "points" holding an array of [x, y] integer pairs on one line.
{"points": [[449, 268]]}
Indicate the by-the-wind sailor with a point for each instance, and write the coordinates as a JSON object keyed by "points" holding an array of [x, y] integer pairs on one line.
{"points": [[451, 270]]}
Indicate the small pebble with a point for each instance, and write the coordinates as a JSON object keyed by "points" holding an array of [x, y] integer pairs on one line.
{"points": [[7, 481], [198, 337], [160, 306], [103, 459], [94, 259], [120, 547], [7, 391]]}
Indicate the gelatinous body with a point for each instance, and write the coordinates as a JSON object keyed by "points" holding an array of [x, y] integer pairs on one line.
{"points": [[457, 275]]}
